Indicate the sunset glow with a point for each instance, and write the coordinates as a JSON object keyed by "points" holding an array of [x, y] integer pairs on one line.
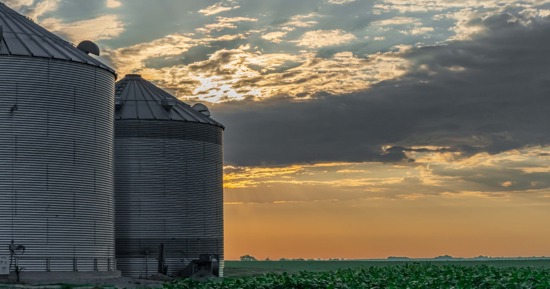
{"points": [[354, 129]]}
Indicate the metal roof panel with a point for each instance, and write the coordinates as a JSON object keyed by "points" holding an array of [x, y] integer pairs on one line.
{"points": [[22, 37], [140, 99]]}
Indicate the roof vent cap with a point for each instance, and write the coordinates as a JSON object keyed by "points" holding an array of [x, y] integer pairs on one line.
{"points": [[202, 109], [88, 47], [168, 103]]}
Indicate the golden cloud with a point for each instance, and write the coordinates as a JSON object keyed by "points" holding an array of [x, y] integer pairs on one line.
{"points": [[239, 73], [42, 7], [302, 21], [113, 3], [216, 9], [274, 37], [324, 38], [224, 23], [131, 59], [103, 27]]}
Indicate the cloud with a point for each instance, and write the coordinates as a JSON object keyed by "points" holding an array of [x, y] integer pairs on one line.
{"points": [[103, 27], [18, 4], [468, 16], [340, 2], [38, 9], [274, 37], [113, 3], [131, 59], [317, 182], [240, 73], [408, 6], [374, 180], [418, 30], [414, 25], [225, 23], [435, 177], [396, 21], [216, 9], [324, 38], [302, 21], [468, 24], [484, 95]]}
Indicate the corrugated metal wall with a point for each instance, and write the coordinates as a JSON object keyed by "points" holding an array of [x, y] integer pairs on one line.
{"points": [[169, 178], [56, 163]]}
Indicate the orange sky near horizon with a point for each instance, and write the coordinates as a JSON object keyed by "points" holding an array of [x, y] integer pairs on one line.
{"points": [[465, 227], [309, 212]]}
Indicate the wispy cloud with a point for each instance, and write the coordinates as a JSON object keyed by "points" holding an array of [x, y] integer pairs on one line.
{"points": [[34, 8], [340, 2], [418, 30], [18, 4], [324, 38], [406, 25], [101, 28], [396, 21], [431, 176], [42, 7], [225, 23], [132, 59], [216, 9], [113, 3], [275, 37], [302, 21]]}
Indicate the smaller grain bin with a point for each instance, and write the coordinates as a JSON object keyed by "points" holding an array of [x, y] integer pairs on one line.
{"points": [[168, 183]]}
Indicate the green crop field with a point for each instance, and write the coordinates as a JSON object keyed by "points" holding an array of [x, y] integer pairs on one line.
{"points": [[378, 274], [254, 268]]}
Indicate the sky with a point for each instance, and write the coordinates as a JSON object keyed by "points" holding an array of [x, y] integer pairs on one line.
{"points": [[354, 128]]}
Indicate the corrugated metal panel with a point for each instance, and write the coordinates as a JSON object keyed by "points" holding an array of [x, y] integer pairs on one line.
{"points": [[140, 99], [168, 190], [169, 129], [23, 37], [56, 163]]}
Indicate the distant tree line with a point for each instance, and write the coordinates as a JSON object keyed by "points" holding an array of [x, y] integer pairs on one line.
{"points": [[248, 258], [252, 258]]}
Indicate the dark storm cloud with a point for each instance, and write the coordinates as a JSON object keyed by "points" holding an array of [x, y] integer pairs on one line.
{"points": [[486, 179], [490, 94]]}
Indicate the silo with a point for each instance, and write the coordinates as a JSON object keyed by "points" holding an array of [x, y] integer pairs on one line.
{"points": [[56, 154], [168, 182]]}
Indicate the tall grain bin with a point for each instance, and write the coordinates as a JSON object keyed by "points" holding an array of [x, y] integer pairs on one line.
{"points": [[168, 182], [56, 154]]}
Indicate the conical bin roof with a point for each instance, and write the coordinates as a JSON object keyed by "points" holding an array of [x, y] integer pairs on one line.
{"points": [[20, 36], [139, 99]]}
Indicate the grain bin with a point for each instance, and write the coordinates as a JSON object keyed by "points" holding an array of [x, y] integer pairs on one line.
{"points": [[168, 182], [56, 154]]}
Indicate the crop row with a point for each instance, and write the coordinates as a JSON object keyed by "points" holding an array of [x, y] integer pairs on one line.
{"points": [[408, 276]]}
